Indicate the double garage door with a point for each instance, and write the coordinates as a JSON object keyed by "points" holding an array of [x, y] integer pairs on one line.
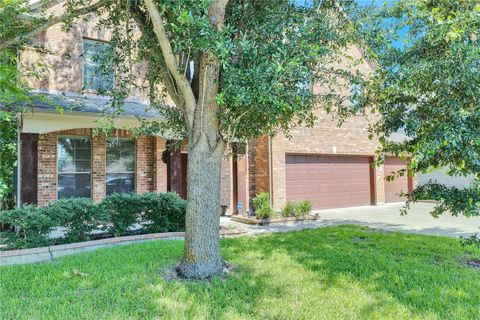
{"points": [[331, 181]]}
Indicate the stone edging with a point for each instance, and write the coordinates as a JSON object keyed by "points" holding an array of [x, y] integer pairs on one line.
{"points": [[34, 255], [255, 221]]}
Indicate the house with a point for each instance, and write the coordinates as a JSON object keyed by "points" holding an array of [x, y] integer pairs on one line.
{"points": [[60, 155]]}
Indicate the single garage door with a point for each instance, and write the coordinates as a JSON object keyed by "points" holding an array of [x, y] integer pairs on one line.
{"points": [[329, 181], [399, 184]]}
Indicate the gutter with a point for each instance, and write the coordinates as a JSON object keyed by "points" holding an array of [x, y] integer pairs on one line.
{"points": [[19, 163], [270, 169]]}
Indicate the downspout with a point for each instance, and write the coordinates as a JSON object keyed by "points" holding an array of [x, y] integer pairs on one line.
{"points": [[270, 169], [19, 162]]}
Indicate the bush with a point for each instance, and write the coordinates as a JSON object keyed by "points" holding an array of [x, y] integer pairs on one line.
{"points": [[29, 227], [80, 216], [165, 211], [263, 209], [289, 209], [121, 211], [303, 208], [297, 208]]}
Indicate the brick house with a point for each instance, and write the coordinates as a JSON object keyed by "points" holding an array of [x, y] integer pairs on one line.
{"points": [[61, 156]]}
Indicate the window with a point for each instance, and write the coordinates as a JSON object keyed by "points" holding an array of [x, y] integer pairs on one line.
{"points": [[96, 73], [120, 165], [356, 93], [74, 167]]}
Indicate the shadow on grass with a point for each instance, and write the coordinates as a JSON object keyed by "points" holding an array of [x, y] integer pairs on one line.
{"points": [[420, 273], [332, 273]]}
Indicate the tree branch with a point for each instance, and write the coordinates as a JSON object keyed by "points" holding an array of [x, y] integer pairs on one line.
{"points": [[53, 21], [167, 81], [170, 60]]}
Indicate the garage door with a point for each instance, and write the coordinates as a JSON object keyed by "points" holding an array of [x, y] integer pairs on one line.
{"points": [[329, 181], [399, 184]]}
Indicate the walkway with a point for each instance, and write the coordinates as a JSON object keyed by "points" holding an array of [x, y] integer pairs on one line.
{"points": [[386, 217]]}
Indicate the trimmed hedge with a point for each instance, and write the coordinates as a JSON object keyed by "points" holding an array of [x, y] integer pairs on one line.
{"points": [[118, 214]]}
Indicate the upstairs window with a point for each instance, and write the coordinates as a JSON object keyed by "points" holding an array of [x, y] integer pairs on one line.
{"points": [[74, 167], [356, 93], [120, 170], [96, 73]]}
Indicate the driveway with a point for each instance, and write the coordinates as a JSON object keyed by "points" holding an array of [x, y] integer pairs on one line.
{"points": [[386, 217]]}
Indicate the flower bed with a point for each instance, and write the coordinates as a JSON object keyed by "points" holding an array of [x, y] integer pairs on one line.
{"points": [[278, 219]]}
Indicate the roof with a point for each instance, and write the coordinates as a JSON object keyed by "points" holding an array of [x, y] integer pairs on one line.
{"points": [[89, 104]]}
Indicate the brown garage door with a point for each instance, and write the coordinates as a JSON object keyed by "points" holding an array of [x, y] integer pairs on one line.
{"points": [[399, 184], [329, 181]]}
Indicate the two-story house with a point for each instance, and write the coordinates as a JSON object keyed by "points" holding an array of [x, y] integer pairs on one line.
{"points": [[60, 157]]}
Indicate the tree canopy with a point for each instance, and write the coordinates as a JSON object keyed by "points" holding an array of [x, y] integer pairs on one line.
{"points": [[427, 86], [234, 70]]}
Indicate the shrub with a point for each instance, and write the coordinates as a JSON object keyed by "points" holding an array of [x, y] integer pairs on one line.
{"points": [[80, 216], [303, 208], [297, 208], [263, 209], [29, 227], [289, 209], [165, 211], [121, 211]]}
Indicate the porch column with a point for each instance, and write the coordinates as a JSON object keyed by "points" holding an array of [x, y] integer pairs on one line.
{"points": [[98, 167], [161, 175], [175, 170], [29, 168]]}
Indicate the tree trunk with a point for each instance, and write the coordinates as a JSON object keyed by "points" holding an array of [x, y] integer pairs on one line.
{"points": [[202, 258]]}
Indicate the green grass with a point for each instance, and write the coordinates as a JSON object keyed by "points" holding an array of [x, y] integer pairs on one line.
{"points": [[333, 273]]}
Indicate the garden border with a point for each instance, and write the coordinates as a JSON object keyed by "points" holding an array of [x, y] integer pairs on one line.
{"points": [[35, 255], [263, 222]]}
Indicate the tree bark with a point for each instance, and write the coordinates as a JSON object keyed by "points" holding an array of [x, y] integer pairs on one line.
{"points": [[202, 257]]}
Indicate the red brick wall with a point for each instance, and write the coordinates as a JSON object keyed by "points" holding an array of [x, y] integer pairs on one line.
{"points": [[145, 164], [64, 61], [47, 168], [151, 172], [160, 170], [225, 182], [258, 166]]}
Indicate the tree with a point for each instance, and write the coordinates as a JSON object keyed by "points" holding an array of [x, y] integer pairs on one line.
{"points": [[428, 86], [234, 69]]}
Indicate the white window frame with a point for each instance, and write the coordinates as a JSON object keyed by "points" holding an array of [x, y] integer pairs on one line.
{"points": [[124, 172], [93, 64], [91, 162]]}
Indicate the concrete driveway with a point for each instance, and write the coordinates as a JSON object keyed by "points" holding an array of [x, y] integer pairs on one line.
{"points": [[386, 217]]}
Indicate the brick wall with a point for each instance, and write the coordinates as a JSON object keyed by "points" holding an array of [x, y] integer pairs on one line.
{"points": [[325, 137], [258, 166], [151, 172], [63, 62], [225, 182], [145, 164], [47, 168], [160, 169]]}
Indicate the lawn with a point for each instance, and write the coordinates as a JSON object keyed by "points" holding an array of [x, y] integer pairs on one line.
{"points": [[342, 272]]}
